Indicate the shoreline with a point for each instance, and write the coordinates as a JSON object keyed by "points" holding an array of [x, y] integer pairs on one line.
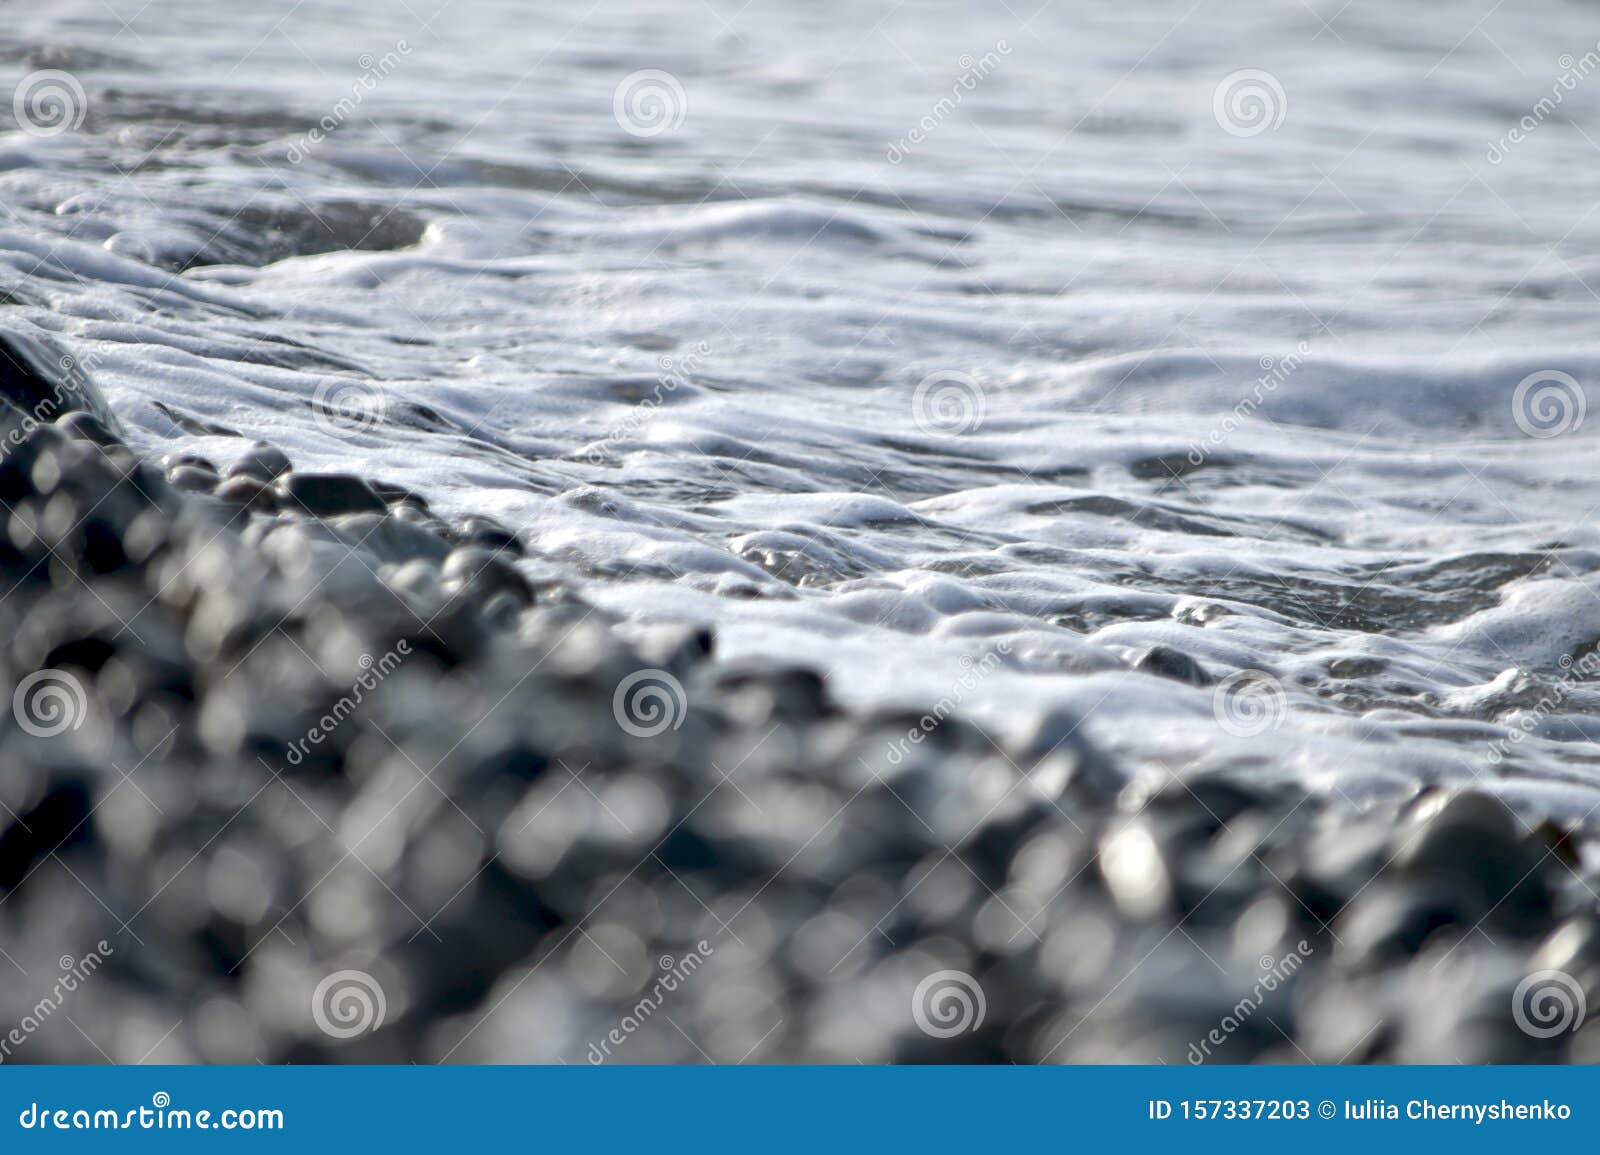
{"points": [[521, 815]]}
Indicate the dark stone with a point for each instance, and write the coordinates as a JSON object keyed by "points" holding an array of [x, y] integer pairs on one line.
{"points": [[329, 494], [41, 380], [1356, 667], [519, 763], [87, 427], [101, 551], [1473, 844], [490, 534], [171, 461], [484, 572], [60, 819], [89, 653], [477, 942], [684, 849], [1175, 664]]}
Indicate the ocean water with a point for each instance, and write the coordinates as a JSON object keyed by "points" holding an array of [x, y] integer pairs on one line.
{"points": [[963, 350]]}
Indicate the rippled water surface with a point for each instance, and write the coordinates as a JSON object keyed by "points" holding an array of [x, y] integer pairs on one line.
{"points": [[964, 350]]}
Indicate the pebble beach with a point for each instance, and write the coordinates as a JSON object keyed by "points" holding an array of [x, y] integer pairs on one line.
{"points": [[669, 535]]}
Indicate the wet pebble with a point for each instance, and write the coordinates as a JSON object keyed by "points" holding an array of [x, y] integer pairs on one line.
{"points": [[1170, 663], [193, 478], [263, 461], [329, 494]]}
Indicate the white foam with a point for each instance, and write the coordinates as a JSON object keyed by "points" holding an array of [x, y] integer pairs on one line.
{"points": [[676, 362]]}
